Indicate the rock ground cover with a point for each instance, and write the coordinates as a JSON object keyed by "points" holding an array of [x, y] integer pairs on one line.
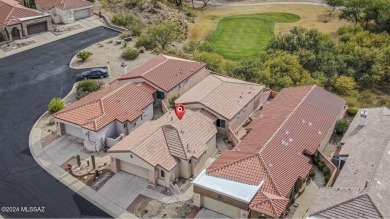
{"points": [[245, 35]]}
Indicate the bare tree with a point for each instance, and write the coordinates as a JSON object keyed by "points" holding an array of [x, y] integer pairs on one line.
{"points": [[203, 6]]}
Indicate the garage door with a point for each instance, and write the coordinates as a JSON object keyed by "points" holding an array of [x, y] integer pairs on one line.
{"points": [[36, 28], [221, 207], [134, 169], [80, 14], [74, 131]]}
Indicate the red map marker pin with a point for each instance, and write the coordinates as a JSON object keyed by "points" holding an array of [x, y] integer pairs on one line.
{"points": [[180, 110]]}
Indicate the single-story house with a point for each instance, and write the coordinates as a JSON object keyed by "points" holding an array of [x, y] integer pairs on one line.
{"points": [[18, 21], [169, 75], [231, 100], [104, 117], [362, 188], [168, 148], [65, 11], [269, 168]]}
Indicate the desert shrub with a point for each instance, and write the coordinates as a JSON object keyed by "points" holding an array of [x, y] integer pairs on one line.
{"points": [[125, 44], [146, 42], [125, 34], [128, 20], [352, 111], [316, 160], [172, 100], [321, 165], [342, 126], [325, 170], [132, 3], [55, 105], [136, 30], [88, 85], [130, 54], [84, 55], [312, 174]]}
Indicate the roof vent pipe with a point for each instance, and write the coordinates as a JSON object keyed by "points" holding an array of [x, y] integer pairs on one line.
{"points": [[363, 118]]}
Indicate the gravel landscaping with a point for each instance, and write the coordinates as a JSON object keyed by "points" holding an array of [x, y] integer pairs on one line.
{"points": [[155, 209], [108, 52]]}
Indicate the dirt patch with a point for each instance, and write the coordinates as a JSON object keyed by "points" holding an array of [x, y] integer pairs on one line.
{"points": [[145, 207], [61, 29], [133, 206], [182, 185], [16, 45], [48, 129], [312, 16]]}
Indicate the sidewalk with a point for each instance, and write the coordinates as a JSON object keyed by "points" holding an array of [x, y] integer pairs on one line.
{"points": [[48, 37]]}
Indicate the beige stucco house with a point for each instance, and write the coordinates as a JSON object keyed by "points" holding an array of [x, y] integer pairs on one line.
{"points": [[168, 148], [169, 75], [65, 11], [104, 117], [269, 168], [230, 100], [17, 21]]}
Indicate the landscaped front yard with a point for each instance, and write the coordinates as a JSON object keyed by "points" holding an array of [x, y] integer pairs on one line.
{"points": [[245, 35]]}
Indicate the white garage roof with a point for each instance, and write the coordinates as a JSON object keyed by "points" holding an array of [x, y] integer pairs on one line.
{"points": [[236, 190]]}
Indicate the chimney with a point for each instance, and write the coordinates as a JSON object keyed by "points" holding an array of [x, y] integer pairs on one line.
{"points": [[363, 118]]}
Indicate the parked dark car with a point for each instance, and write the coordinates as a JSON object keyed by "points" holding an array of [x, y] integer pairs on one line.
{"points": [[92, 74]]}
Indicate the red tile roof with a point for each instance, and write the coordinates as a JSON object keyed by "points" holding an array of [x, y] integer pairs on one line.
{"points": [[116, 102], [269, 204], [11, 11], [165, 72], [162, 142], [296, 121], [63, 4]]}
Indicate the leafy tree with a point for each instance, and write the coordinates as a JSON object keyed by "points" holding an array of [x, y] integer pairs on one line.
{"points": [[281, 69], [84, 55], [55, 105], [213, 60], [334, 4], [247, 69], [341, 126], [344, 84], [317, 52], [353, 10], [163, 34]]}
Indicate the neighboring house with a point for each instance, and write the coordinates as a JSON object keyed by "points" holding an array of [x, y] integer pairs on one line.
{"points": [[269, 168], [65, 11], [17, 21], [362, 188], [169, 75], [102, 118], [231, 100], [168, 148]]}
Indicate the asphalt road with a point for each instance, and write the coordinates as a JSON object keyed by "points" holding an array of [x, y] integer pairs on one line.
{"points": [[28, 81]]}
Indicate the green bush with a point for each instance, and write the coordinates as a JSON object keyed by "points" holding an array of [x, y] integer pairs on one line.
{"points": [[325, 170], [125, 20], [172, 100], [88, 86], [130, 54], [312, 174], [342, 126], [84, 55], [55, 105], [316, 160], [136, 30], [327, 177], [321, 165], [352, 111], [146, 42]]}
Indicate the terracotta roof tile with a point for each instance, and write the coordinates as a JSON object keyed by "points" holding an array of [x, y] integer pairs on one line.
{"points": [[296, 121], [11, 11], [165, 72], [161, 142], [63, 4], [269, 204], [116, 102], [225, 96]]}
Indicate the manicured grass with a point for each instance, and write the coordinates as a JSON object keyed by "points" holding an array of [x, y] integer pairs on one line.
{"points": [[241, 36]]}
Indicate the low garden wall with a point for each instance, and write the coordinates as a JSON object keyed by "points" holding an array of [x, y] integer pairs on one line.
{"points": [[164, 107], [334, 172], [232, 136]]}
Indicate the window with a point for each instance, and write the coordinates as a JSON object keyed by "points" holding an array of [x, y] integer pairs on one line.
{"points": [[124, 125], [160, 95], [131, 156], [162, 173], [220, 123]]}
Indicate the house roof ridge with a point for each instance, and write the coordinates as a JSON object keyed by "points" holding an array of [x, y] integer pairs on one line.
{"points": [[287, 119], [233, 162], [76, 107], [269, 174], [346, 201], [9, 14]]}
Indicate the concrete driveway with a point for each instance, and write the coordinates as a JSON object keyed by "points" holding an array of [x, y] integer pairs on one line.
{"points": [[28, 81]]}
